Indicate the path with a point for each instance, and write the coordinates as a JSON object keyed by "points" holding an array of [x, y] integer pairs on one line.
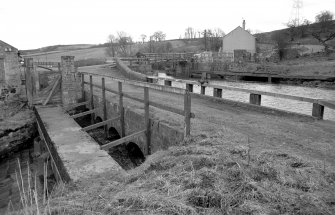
{"points": [[306, 137]]}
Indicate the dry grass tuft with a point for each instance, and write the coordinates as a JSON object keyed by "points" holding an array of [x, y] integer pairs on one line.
{"points": [[203, 178]]}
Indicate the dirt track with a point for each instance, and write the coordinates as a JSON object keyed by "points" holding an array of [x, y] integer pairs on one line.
{"points": [[314, 140]]}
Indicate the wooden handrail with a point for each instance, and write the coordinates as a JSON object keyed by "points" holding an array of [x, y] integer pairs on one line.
{"points": [[84, 113], [122, 140], [152, 103], [168, 89], [97, 125]]}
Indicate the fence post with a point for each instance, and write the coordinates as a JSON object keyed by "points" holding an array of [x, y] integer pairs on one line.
{"points": [[123, 132], [318, 110], [187, 114], [255, 99], [104, 105], [83, 87], [147, 119], [91, 99]]}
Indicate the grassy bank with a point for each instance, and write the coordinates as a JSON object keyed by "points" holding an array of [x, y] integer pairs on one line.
{"points": [[203, 176]]}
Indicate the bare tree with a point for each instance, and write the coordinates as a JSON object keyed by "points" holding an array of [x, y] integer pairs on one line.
{"points": [[190, 33], [111, 40], [326, 30], [159, 36], [143, 37]]}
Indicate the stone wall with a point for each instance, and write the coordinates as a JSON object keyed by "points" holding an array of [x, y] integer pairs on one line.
{"points": [[10, 79], [71, 79]]}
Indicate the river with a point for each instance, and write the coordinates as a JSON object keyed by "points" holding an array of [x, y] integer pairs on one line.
{"points": [[269, 101]]}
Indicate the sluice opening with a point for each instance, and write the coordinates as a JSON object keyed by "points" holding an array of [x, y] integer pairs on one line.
{"points": [[127, 155]]}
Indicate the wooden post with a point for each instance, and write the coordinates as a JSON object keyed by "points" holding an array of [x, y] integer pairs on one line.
{"points": [[91, 98], [104, 105], [217, 92], [82, 87], [269, 79], [28, 62], [58, 64], [147, 120], [203, 90], [189, 87], [123, 132], [187, 114], [318, 110], [255, 99]]}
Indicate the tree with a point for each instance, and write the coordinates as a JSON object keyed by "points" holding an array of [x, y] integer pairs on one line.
{"points": [[324, 16], [143, 37], [124, 40], [111, 40], [293, 28], [326, 30], [190, 33], [213, 39], [159, 36]]}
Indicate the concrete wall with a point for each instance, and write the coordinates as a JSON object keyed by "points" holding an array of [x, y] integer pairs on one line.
{"points": [[9, 68], [239, 39], [128, 72], [162, 135]]}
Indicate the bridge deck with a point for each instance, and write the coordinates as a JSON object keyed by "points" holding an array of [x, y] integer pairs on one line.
{"points": [[80, 154]]}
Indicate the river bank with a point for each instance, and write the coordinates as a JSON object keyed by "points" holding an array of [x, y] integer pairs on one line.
{"points": [[17, 131]]}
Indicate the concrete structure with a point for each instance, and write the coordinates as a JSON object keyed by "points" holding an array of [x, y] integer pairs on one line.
{"points": [[239, 39], [71, 90], [9, 68]]}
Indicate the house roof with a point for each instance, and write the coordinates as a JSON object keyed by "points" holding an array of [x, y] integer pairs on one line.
{"points": [[236, 29], [6, 44]]}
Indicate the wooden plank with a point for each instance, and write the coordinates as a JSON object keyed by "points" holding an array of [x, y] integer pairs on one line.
{"points": [[123, 140], [91, 98], [187, 111], [327, 103], [76, 105], [82, 86], [52, 90], [147, 120], [154, 104], [104, 105], [84, 113], [154, 86], [122, 123], [97, 125], [297, 98]]}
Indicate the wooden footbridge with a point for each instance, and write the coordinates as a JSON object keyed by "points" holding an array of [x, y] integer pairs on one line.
{"points": [[76, 155]]}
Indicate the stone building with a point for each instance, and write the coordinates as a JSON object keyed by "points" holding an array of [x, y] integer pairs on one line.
{"points": [[239, 41], [10, 78]]}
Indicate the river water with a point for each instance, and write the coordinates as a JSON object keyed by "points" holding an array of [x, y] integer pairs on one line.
{"points": [[268, 101]]}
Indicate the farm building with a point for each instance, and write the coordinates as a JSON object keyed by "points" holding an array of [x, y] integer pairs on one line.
{"points": [[9, 68], [240, 42]]}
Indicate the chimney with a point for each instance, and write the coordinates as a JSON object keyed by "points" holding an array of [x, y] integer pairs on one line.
{"points": [[243, 24]]}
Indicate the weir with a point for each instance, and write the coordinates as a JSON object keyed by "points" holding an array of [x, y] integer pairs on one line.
{"points": [[78, 149]]}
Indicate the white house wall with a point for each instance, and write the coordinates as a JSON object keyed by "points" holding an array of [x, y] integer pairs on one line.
{"points": [[239, 39]]}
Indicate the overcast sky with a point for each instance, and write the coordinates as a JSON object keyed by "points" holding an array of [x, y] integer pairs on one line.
{"points": [[28, 24]]}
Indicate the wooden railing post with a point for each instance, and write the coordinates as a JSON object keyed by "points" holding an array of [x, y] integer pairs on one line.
{"points": [[123, 132], [104, 105], [91, 99], [147, 119], [82, 87], [217, 92], [187, 114], [318, 110], [255, 99]]}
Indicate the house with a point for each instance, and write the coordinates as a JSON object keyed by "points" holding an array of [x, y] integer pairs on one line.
{"points": [[9, 68], [240, 42]]}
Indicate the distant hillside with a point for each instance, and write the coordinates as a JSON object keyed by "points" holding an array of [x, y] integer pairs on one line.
{"points": [[55, 48], [304, 38]]}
